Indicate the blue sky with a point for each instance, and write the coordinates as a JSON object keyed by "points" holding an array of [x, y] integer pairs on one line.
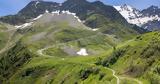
{"points": [[13, 6]]}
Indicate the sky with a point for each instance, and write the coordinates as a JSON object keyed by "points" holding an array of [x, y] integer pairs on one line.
{"points": [[8, 7]]}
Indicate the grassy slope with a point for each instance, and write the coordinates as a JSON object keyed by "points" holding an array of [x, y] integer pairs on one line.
{"points": [[56, 69], [4, 35], [140, 57], [123, 32], [42, 34], [33, 69], [12, 59], [42, 70]]}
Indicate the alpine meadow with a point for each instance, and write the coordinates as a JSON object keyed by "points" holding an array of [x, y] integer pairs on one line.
{"points": [[80, 42]]}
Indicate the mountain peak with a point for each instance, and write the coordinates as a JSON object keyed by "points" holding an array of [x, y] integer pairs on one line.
{"points": [[35, 1], [76, 1], [140, 18], [99, 2], [127, 7], [153, 7], [152, 11]]}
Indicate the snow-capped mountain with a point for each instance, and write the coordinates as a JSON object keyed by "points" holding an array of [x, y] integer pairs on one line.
{"points": [[151, 11], [140, 18], [129, 13], [82, 10]]}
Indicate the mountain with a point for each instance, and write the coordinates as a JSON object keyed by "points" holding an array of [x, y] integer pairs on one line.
{"points": [[148, 18], [63, 33], [152, 25], [83, 10], [32, 10], [100, 16], [49, 48], [73, 43], [50, 22], [151, 11]]}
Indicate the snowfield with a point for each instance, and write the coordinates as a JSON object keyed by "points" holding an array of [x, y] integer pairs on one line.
{"points": [[70, 13], [37, 17], [37, 4], [134, 16], [57, 12], [82, 52], [24, 25], [95, 29]]}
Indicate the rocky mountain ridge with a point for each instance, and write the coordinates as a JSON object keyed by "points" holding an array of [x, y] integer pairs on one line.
{"points": [[148, 18]]}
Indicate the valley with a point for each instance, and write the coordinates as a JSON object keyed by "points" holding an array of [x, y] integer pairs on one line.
{"points": [[76, 42]]}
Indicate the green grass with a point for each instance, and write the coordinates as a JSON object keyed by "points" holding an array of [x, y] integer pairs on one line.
{"points": [[70, 34], [2, 27], [140, 58], [4, 37], [55, 52], [22, 65], [120, 31], [43, 70]]}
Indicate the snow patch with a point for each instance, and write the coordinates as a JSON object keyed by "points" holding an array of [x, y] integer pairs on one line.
{"points": [[37, 17], [145, 27], [70, 13], [47, 11], [24, 25], [95, 29], [37, 4], [82, 52], [143, 20], [57, 12]]}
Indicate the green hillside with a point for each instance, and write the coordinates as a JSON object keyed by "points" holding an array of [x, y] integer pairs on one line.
{"points": [[92, 45], [140, 57], [41, 56], [25, 63]]}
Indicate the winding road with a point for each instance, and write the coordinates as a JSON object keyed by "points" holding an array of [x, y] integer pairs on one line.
{"points": [[40, 52], [120, 77], [136, 80], [114, 74]]}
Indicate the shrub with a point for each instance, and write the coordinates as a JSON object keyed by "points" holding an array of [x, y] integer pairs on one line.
{"points": [[113, 58], [13, 59], [152, 49], [99, 61], [157, 69], [101, 76], [84, 74]]}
